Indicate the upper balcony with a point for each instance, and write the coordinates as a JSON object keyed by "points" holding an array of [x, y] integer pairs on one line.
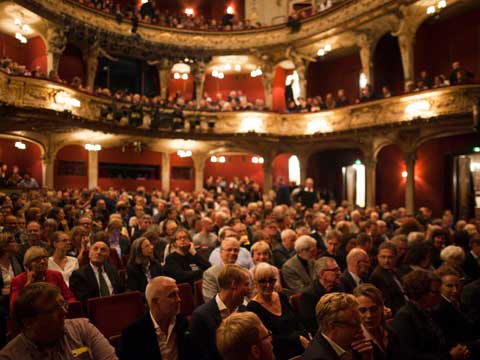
{"points": [[30, 103]]}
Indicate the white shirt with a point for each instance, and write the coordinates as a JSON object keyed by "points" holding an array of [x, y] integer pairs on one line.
{"points": [[355, 278], [105, 276], [167, 343], [7, 275], [70, 266]]}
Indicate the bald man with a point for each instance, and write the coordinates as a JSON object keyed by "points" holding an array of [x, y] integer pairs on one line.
{"points": [[162, 333], [357, 271]]}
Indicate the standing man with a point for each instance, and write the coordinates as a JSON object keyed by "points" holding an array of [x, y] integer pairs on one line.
{"points": [[308, 196], [163, 332]]}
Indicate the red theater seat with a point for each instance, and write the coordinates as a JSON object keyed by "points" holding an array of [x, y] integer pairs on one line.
{"points": [[186, 294], [75, 310], [198, 293]]}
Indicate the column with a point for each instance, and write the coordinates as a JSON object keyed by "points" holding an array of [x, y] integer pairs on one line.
{"points": [[56, 44], [92, 169], [91, 61], [197, 70], [370, 181], [410, 183], [301, 68], [267, 80], [48, 173], [267, 174], [365, 43], [199, 164], [164, 68], [166, 172], [406, 42], [303, 160]]}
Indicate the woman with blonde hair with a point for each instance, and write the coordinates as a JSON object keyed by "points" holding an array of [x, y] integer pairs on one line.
{"points": [[59, 261]]}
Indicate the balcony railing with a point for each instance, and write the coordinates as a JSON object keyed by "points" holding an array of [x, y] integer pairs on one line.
{"points": [[26, 93]]}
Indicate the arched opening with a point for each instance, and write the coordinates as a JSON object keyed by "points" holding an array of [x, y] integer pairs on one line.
{"points": [[182, 173], [181, 82], [327, 170], [388, 68], [71, 64], [71, 167], [31, 54], [390, 185]]}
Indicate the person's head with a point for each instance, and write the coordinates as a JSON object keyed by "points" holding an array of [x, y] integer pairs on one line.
{"points": [[265, 276], [370, 305], [338, 318], [288, 237], [234, 283], [242, 336], [145, 222], [365, 241], [438, 238], [358, 262], [40, 311], [36, 259], [181, 241], [141, 251], [98, 252], [453, 255], [170, 227], [8, 244], [328, 272], [387, 253], [33, 232], [306, 247], [86, 222], [50, 226], [261, 252], [419, 254], [401, 243], [10, 224], [229, 249], [451, 284], [61, 241], [309, 183], [332, 241], [207, 224], [163, 298], [226, 232], [423, 288], [320, 223], [475, 244]]}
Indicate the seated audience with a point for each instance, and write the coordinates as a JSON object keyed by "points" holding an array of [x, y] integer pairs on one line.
{"points": [[423, 290], [36, 266], [98, 278], [33, 239], [163, 332], [358, 267], [471, 266], [142, 267], [454, 257], [185, 264], [286, 249], [242, 336], [59, 261], [40, 312], [289, 337], [298, 272], [234, 287], [244, 258], [341, 334]]}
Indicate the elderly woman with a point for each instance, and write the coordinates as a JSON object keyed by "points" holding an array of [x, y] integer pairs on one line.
{"points": [[142, 267], [448, 316], [454, 256], [35, 262], [10, 267], [261, 253], [79, 242], [371, 309], [288, 334], [418, 336], [184, 264], [59, 261]]}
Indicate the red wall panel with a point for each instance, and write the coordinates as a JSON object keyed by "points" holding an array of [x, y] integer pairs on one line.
{"points": [[236, 165], [440, 43], [71, 64], [31, 54], [280, 167], [28, 160], [115, 155], [186, 87], [71, 153], [186, 185], [390, 186], [278, 89], [252, 88], [388, 68]]}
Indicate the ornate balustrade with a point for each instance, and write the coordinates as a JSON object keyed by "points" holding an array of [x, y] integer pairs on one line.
{"points": [[48, 101]]}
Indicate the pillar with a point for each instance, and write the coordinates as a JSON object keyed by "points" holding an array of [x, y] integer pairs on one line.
{"points": [[301, 68], [48, 173], [406, 42], [410, 183], [197, 70], [267, 174], [91, 60], [166, 172], [303, 160], [365, 42], [267, 80], [164, 68], [92, 169], [56, 44], [199, 164], [370, 181]]}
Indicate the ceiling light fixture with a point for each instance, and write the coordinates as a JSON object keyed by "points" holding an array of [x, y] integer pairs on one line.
{"points": [[20, 145]]}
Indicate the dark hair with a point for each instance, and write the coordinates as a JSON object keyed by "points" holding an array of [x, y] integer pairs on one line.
{"points": [[417, 253], [389, 246], [27, 301], [446, 270], [418, 283], [363, 238]]}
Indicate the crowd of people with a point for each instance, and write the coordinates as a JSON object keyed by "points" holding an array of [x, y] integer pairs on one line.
{"points": [[13, 179], [300, 275]]}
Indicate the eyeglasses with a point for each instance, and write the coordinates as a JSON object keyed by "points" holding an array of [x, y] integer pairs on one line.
{"points": [[333, 269], [269, 333], [40, 258], [267, 281], [349, 324]]}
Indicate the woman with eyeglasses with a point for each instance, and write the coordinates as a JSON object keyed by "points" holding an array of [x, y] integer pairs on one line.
{"points": [[184, 264], [142, 266], [10, 267], [375, 329], [289, 336], [59, 261]]}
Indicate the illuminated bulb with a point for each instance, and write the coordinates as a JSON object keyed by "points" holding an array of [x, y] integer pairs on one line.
{"points": [[321, 52], [259, 72], [431, 10], [221, 159], [185, 76], [20, 145], [255, 160], [189, 11], [442, 4], [238, 67], [260, 160], [18, 22], [220, 75], [404, 174], [215, 73], [228, 67], [213, 159], [230, 10], [176, 76], [26, 28], [328, 47], [363, 81]]}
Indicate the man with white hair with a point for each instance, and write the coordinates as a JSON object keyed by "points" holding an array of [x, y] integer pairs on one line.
{"points": [[357, 271], [163, 332], [286, 249], [298, 271]]}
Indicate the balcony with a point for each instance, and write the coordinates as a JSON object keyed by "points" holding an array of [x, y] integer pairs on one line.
{"points": [[30, 103]]}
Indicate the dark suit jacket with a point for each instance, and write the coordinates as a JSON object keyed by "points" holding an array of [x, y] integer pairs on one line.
{"points": [[136, 279], [84, 284], [308, 301], [471, 267], [139, 340], [281, 255], [418, 335], [319, 349], [471, 301], [392, 293], [320, 243], [5, 299], [205, 321], [347, 282]]}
